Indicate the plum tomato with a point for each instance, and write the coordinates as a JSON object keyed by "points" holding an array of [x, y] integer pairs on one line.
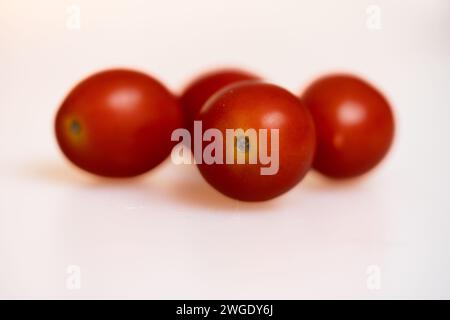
{"points": [[205, 85], [289, 139], [354, 125], [117, 123]]}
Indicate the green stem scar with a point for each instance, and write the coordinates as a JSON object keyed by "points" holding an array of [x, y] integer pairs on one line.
{"points": [[75, 127], [242, 143]]}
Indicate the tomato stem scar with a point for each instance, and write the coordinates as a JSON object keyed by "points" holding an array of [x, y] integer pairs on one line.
{"points": [[243, 143], [75, 127]]}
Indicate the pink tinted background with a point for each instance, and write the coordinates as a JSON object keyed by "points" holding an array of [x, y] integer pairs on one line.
{"points": [[168, 234]]}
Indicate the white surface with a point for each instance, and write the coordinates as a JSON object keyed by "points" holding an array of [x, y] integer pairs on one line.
{"points": [[168, 234]]}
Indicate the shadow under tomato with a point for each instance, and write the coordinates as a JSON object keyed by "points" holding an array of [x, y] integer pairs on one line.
{"points": [[190, 188], [180, 184], [316, 181], [53, 171], [67, 173]]}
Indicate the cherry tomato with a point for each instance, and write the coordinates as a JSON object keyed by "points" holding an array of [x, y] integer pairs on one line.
{"points": [[117, 123], [354, 125], [203, 87], [259, 106]]}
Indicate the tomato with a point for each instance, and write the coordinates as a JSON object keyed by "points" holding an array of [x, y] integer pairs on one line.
{"points": [[258, 106], [354, 123], [203, 87], [117, 123]]}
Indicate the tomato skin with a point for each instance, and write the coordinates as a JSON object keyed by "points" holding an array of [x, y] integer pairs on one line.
{"points": [[117, 123], [259, 105], [204, 86], [354, 125]]}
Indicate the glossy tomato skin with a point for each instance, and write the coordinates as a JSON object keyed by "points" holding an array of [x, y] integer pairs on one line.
{"points": [[354, 124], [117, 123], [204, 86], [259, 105]]}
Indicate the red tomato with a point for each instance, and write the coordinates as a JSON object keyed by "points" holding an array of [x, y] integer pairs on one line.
{"points": [[256, 105], [354, 125], [117, 123], [196, 94]]}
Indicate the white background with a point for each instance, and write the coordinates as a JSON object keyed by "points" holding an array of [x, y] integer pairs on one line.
{"points": [[168, 234]]}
